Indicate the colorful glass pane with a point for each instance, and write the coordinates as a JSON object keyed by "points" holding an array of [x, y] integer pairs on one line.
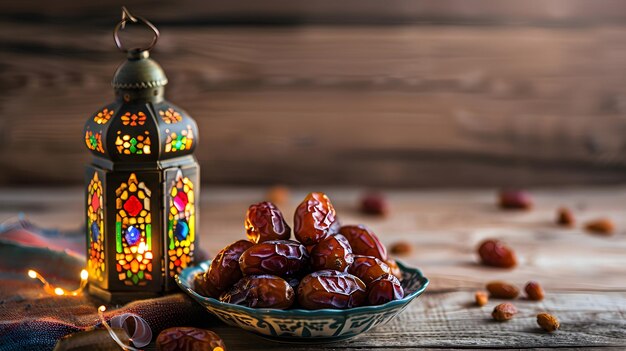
{"points": [[95, 222], [133, 145], [133, 232], [132, 235], [134, 119], [95, 202], [181, 230], [180, 201], [181, 224], [179, 141], [94, 141], [133, 206], [103, 116], [170, 116], [95, 231]]}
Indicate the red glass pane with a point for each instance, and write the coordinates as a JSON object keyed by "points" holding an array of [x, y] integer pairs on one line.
{"points": [[95, 202], [180, 201], [133, 206]]}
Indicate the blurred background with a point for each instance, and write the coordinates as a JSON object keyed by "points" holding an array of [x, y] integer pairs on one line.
{"points": [[399, 93]]}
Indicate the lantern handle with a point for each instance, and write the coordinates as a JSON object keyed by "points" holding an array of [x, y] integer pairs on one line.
{"points": [[128, 17]]}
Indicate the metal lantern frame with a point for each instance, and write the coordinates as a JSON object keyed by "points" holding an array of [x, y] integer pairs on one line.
{"points": [[142, 183]]}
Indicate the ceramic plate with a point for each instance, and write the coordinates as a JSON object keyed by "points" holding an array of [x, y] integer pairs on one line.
{"points": [[299, 325]]}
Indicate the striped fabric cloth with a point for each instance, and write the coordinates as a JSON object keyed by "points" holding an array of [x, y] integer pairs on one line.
{"points": [[31, 319]]}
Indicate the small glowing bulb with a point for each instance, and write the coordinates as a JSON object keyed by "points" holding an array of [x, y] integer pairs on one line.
{"points": [[50, 289], [102, 308]]}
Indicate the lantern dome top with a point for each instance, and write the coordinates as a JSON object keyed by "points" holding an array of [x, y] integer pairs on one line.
{"points": [[139, 71], [140, 126]]}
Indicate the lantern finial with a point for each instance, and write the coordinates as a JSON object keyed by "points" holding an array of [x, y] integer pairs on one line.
{"points": [[139, 77], [128, 17]]}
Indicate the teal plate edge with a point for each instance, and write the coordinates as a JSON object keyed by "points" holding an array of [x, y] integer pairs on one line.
{"points": [[418, 283]]}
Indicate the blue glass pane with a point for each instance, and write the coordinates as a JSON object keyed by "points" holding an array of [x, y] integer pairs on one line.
{"points": [[132, 235], [182, 230], [95, 232]]}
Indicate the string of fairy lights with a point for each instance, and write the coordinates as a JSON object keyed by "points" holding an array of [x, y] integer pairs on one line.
{"points": [[58, 291], [51, 289]]}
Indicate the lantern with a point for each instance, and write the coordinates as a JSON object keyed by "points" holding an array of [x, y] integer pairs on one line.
{"points": [[142, 184]]}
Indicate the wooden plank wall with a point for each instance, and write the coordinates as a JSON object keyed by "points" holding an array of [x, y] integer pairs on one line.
{"points": [[409, 93]]}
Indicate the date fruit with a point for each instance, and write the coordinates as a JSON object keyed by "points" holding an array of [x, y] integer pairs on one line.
{"points": [[401, 248], [565, 217], [265, 222], [333, 252], [224, 270], [395, 269], [496, 254], [261, 291], [284, 258], [199, 284], [515, 200], [313, 219], [363, 241], [502, 290], [374, 204], [331, 289], [504, 312], [384, 289], [189, 339], [481, 298], [548, 322], [278, 195], [534, 291], [368, 268], [602, 226]]}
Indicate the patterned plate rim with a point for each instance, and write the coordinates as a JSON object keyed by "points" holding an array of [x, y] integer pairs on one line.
{"points": [[185, 279]]}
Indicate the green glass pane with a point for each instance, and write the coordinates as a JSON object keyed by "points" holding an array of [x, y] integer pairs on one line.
{"points": [[129, 273], [149, 236], [140, 274], [135, 279], [170, 231], [133, 149], [133, 141], [118, 237]]}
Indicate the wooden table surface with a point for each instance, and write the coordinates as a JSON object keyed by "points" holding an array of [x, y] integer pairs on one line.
{"points": [[584, 275]]}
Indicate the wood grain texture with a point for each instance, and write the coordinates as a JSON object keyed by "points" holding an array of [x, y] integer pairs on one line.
{"points": [[290, 12], [361, 105], [583, 274]]}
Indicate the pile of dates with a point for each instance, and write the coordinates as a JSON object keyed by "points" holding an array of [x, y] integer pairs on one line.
{"points": [[327, 266]]}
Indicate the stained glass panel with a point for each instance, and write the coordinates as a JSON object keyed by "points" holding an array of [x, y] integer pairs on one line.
{"points": [[134, 119], [179, 141], [94, 141], [133, 232], [135, 145], [170, 116], [103, 116], [95, 220], [181, 224]]}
